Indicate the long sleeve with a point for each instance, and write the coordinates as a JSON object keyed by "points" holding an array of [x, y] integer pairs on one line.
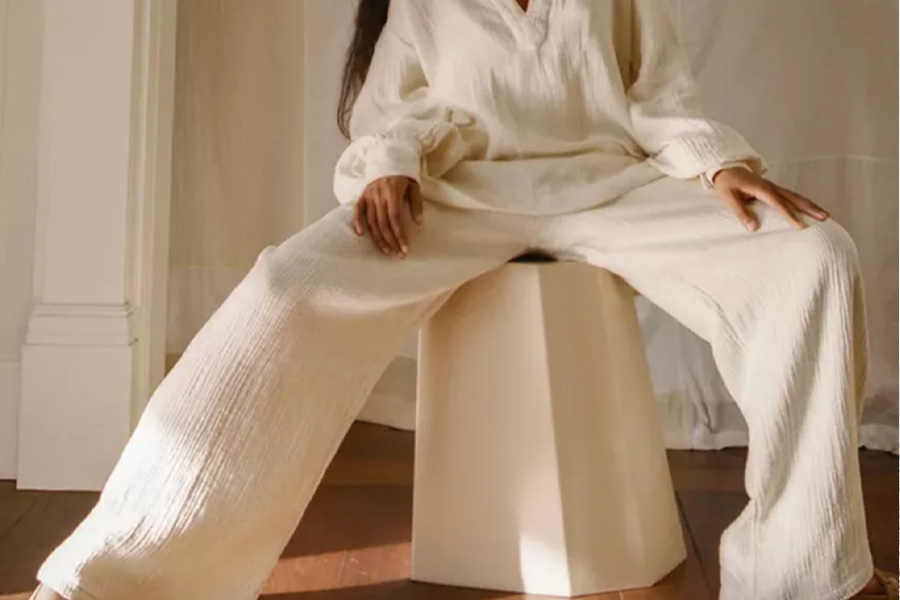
{"points": [[665, 110], [397, 127]]}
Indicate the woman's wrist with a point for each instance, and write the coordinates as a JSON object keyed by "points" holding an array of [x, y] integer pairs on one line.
{"points": [[709, 177]]}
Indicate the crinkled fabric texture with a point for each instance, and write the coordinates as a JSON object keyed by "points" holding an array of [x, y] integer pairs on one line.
{"points": [[235, 440]]}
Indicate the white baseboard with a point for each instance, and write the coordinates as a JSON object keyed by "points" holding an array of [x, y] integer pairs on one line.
{"points": [[75, 415], [77, 382], [9, 417]]}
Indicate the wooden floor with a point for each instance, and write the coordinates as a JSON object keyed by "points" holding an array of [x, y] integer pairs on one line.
{"points": [[353, 542]]}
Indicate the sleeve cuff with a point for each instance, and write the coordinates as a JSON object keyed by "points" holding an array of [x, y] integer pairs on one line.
{"points": [[393, 157], [707, 147]]}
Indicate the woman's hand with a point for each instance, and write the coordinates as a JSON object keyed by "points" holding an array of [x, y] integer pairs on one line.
{"points": [[381, 208], [738, 187]]}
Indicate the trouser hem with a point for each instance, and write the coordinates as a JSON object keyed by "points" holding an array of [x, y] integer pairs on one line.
{"points": [[845, 591], [854, 584], [72, 591]]}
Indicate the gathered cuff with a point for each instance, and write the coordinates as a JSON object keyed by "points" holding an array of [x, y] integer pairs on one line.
{"points": [[698, 154], [373, 157], [393, 157]]}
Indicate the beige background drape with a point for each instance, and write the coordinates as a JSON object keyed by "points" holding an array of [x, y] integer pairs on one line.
{"points": [[238, 165], [812, 83]]}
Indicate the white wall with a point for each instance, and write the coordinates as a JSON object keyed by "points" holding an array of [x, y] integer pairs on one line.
{"points": [[20, 57], [93, 347]]}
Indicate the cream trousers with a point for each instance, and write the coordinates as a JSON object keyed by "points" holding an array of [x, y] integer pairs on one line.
{"points": [[236, 439]]}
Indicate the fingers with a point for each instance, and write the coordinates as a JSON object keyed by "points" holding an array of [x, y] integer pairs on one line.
{"points": [[804, 204], [773, 198], [384, 222], [375, 228], [791, 205], [359, 216], [741, 209], [416, 207], [396, 223], [379, 210]]}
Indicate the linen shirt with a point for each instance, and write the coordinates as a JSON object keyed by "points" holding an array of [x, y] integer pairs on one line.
{"points": [[553, 109]]}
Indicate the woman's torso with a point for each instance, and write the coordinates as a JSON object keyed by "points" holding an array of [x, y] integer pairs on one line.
{"points": [[541, 98], [548, 82]]}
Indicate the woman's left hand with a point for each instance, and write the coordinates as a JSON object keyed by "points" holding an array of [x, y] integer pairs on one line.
{"points": [[738, 187]]}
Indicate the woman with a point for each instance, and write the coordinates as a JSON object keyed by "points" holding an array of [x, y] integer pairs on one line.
{"points": [[482, 129]]}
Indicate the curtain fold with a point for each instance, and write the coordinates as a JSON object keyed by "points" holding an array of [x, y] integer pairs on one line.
{"points": [[812, 83]]}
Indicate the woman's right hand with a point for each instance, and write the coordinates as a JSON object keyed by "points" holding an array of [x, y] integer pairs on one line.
{"points": [[381, 209]]}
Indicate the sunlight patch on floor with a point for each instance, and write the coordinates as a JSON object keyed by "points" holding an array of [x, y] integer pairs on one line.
{"points": [[337, 570]]}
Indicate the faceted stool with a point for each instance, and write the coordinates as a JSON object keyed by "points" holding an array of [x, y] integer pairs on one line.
{"points": [[539, 464]]}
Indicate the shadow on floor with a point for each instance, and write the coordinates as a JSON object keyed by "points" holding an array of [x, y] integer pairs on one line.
{"points": [[396, 590], [352, 517]]}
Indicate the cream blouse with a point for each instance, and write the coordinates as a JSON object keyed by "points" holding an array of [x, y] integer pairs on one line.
{"points": [[555, 109]]}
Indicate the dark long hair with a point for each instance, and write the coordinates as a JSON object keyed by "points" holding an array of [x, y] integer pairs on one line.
{"points": [[371, 15]]}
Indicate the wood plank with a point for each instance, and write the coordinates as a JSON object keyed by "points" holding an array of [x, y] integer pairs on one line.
{"points": [[404, 590], [33, 537], [687, 582], [349, 533], [709, 471], [373, 455], [710, 489], [354, 541], [708, 514], [879, 476], [13, 505]]}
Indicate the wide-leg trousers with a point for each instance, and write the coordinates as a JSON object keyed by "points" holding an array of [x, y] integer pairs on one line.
{"points": [[236, 438]]}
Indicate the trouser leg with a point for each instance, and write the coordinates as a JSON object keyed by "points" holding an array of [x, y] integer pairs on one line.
{"points": [[235, 440], [783, 312]]}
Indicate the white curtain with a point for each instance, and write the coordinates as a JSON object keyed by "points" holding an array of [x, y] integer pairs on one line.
{"points": [[812, 83], [238, 148]]}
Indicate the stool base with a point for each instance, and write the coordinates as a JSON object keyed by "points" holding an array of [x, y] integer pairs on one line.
{"points": [[540, 465]]}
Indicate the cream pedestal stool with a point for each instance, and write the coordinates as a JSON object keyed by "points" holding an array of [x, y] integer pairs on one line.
{"points": [[540, 464]]}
